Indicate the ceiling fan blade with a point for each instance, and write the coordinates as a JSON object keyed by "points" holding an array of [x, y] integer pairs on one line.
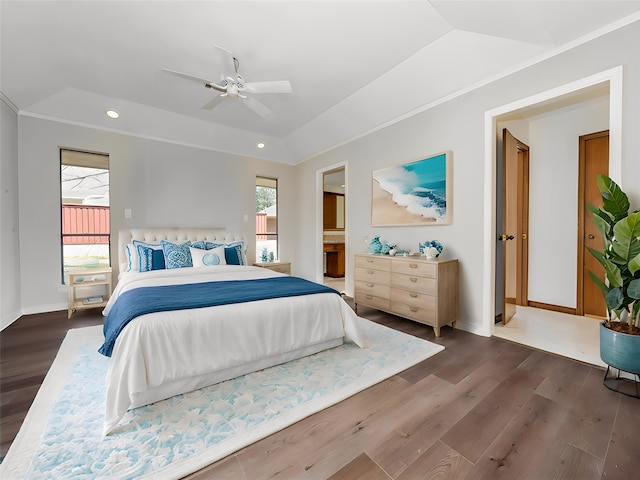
{"points": [[204, 81], [228, 63], [214, 102], [257, 107], [277, 86]]}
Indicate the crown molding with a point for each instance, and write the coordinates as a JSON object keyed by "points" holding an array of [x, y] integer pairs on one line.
{"points": [[7, 101]]}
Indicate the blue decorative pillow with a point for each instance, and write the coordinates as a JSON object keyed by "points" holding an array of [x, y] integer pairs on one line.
{"points": [[234, 252], [176, 255], [201, 245], [150, 258], [233, 255], [133, 257]]}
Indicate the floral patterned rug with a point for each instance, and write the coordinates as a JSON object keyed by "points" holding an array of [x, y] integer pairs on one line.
{"points": [[61, 436]]}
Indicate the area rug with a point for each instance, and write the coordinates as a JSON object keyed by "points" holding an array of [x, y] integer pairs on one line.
{"points": [[61, 436]]}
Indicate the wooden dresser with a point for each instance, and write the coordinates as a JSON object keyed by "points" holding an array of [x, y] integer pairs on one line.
{"points": [[412, 287]]}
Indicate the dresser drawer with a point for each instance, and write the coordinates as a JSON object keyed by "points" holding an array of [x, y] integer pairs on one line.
{"points": [[412, 298], [374, 289], [420, 269], [372, 275], [414, 283], [373, 262], [424, 313], [372, 301]]}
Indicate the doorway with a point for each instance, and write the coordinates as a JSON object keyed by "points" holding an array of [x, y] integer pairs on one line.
{"points": [[609, 81], [333, 228]]}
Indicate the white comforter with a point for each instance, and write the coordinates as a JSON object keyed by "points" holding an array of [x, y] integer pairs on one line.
{"points": [[159, 355]]}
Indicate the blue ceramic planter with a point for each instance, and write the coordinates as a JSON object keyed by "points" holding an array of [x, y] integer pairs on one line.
{"points": [[620, 350]]}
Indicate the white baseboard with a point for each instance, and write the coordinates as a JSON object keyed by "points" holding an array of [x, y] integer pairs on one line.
{"points": [[470, 327], [54, 307], [9, 319]]}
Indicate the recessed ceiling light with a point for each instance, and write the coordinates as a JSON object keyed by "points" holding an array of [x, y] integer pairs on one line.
{"points": [[260, 145], [113, 114]]}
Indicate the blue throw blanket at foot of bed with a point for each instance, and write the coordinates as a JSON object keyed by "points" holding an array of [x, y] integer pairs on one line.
{"points": [[141, 301]]}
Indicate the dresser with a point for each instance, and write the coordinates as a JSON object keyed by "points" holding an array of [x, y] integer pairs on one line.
{"points": [[422, 290]]}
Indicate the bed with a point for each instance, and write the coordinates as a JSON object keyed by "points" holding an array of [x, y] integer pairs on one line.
{"points": [[175, 329]]}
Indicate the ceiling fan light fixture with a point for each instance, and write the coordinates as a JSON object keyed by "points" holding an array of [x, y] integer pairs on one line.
{"points": [[112, 113]]}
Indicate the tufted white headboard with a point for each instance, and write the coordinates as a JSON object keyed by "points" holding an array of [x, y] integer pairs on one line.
{"points": [[211, 234]]}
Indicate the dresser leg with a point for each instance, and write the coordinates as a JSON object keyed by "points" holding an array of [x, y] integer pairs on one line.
{"points": [[436, 330]]}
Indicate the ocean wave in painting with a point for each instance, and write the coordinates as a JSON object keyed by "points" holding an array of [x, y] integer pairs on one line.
{"points": [[420, 187]]}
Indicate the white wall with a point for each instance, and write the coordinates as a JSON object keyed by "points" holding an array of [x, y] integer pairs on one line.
{"points": [[9, 240], [458, 125], [162, 183], [553, 213]]}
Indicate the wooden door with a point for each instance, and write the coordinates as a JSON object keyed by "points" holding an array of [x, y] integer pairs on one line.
{"points": [[515, 215], [594, 160]]}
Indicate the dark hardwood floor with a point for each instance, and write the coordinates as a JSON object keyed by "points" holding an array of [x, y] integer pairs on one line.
{"points": [[483, 408]]}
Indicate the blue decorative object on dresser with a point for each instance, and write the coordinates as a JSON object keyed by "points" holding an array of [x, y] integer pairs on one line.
{"points": [[431, 248], [376, 245]]}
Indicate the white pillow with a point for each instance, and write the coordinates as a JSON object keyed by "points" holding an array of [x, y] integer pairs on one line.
{"points": [[208, 258]]}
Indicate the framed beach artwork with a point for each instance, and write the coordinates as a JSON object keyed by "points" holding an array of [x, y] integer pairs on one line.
{"points": [[415, 193]]}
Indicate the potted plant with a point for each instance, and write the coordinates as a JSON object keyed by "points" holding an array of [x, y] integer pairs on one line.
{"points": [[620, 257]]}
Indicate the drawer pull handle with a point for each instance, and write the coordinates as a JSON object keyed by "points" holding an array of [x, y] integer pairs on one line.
{"points": [[413, 279], [413, 265], [370, 260], [413, 309], [413, 294], [370, 272], [369, 284], [369, 297]]}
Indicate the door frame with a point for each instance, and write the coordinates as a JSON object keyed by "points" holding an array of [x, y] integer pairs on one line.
{"points": [[614, 78], [319, 243]]}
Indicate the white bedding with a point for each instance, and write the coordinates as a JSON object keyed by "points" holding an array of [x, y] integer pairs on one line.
{"points": [[162, 354]]}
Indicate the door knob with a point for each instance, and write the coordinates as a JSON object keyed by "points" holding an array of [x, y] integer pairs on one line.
{"points": [[504, 237], [591, 236]]}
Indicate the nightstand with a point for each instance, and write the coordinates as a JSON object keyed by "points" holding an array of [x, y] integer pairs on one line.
{"points": [[81, 278], [282, 267]]}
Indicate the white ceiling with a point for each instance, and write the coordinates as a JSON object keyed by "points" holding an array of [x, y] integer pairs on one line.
{"points": [[353, 65]]}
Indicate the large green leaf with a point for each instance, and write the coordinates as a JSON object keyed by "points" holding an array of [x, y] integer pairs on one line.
{"points": [[604, 227], [634, 265], [604, 288], [626, 233], [633, 290], [615, 200], [614, 275], [615, 298]]}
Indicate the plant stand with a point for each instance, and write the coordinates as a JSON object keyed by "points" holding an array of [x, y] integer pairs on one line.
{"points": [[622, 385]]}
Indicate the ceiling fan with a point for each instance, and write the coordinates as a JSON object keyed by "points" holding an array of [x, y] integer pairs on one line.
{"points": [[233, 85]]}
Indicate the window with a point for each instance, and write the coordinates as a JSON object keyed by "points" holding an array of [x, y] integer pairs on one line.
{"points": [[84, 203], [266, 219]]}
